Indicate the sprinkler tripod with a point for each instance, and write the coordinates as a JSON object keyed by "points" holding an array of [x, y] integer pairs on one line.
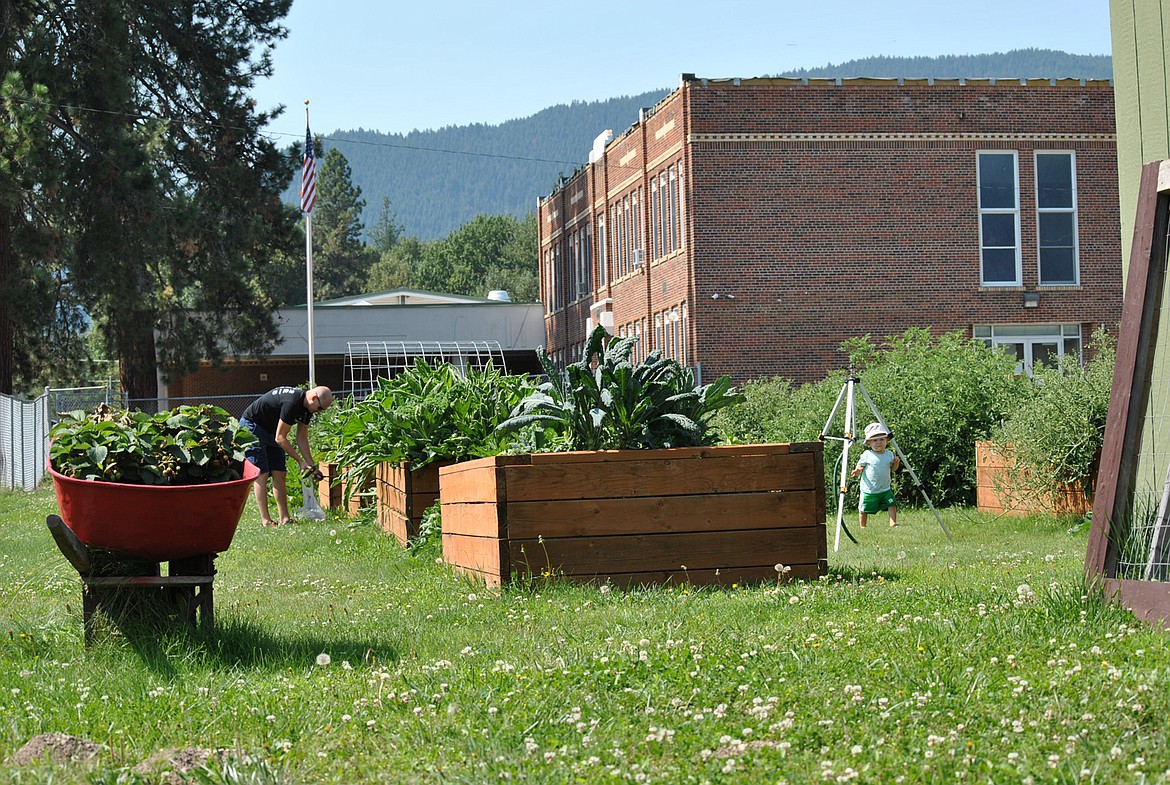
{"points": [[848, 395]]}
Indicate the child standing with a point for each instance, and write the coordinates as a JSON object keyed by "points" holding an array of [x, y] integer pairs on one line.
{"points": [[875, 467]]}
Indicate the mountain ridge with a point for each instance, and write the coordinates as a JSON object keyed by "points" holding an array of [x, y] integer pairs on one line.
{"points": [[438, 180]]}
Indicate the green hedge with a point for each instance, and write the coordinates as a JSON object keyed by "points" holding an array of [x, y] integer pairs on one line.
{"points": [[937, 394]]}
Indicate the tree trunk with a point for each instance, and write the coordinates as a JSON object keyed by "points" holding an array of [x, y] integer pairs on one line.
{"points": [[138, 366], [7, 264]]}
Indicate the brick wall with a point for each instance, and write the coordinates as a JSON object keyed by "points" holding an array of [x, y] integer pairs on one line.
{"points": [[830, 211], [245, 377]]}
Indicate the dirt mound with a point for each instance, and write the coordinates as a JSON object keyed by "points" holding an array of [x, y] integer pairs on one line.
{"points": [[56, 747], [179, 761]]}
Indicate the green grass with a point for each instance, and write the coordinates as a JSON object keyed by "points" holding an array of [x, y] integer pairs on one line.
{"points": [[916, 660]]}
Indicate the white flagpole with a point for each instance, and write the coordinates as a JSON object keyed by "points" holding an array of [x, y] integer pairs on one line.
{"points": [[309, 276], [309, 279]]}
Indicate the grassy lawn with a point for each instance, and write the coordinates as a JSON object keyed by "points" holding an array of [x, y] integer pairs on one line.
{"points": [[917, 660]]}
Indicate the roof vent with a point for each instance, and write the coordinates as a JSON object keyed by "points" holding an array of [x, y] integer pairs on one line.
{"points": [[500, 295]]}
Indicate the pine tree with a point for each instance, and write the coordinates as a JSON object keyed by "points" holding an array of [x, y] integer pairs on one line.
{"points": [[37, 303], [341, 261], [168, 199], [388, 231]]}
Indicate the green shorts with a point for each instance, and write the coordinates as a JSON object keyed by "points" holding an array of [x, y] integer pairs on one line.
{"points": [[875, 502]]}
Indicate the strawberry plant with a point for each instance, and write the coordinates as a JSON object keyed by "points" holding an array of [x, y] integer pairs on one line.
{"points": [[189, 445]]}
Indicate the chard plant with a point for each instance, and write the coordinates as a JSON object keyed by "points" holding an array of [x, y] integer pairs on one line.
{"points": [[424, 414], [607, 402], [189, 445]]}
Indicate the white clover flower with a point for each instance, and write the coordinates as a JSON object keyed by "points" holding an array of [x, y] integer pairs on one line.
{"points": [[793, 600]]}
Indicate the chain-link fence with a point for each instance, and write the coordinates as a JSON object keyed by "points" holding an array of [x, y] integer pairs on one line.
{"points": [[232, 404], [72, 399]]}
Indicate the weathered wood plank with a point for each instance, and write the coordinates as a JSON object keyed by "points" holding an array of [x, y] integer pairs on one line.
{"points": [[620, 479], [645, 553], [473, 520], [661, 514], [672, 453], [465, 482], [483, 556]]}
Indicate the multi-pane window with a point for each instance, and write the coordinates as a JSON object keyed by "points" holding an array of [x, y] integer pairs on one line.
{"points": [[558, 298], [675, 205], [602, 260], [665, 211], [623, 256], [661, 233], [1033, 345], [655, 226], [999, 218], [1056, 216], [670, 329], [627, 233], [581, 263], [551, 261], [587, 250], [636, 228]]}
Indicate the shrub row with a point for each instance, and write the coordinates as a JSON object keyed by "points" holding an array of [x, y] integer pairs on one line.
{"points": [[939, 395]]}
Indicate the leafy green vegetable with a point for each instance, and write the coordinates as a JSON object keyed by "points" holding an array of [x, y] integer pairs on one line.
{"points": [[606, 402], [426, 414], [189, 445]]}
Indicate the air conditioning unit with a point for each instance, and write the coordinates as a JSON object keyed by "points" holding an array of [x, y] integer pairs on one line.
{"points": [[639, 257]]}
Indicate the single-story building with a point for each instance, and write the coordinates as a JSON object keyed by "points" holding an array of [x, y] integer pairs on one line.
{"points": [[356, 339]]}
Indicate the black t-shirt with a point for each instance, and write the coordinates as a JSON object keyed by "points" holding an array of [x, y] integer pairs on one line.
{"points": [[280, 403]]}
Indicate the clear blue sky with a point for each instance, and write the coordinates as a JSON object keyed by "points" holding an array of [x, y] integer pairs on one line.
{"points": [[395, 67]]}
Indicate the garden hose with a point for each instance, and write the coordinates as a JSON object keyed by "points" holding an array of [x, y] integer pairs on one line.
{"points": [[840, 501]]}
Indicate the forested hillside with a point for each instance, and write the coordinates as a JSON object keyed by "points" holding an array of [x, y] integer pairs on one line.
{"points": [[439, 180]]}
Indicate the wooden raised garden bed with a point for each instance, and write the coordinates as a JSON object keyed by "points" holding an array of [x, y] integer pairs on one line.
{"points": [[403, 495], [700, 515], [331, 491], [998, 494]]}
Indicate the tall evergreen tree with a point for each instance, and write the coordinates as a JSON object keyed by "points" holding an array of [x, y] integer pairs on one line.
{"points": [[169, 195], [388, 231], [341, 261], [37, 304]]}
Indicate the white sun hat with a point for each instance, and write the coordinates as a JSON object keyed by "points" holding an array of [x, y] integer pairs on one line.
{"points": [[874, 430]]}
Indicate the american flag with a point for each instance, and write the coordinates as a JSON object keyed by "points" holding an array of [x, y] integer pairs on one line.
{"points": [[308, 175]]}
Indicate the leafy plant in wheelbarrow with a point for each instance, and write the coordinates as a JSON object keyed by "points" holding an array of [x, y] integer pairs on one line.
{"points": [[189, 445]]}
